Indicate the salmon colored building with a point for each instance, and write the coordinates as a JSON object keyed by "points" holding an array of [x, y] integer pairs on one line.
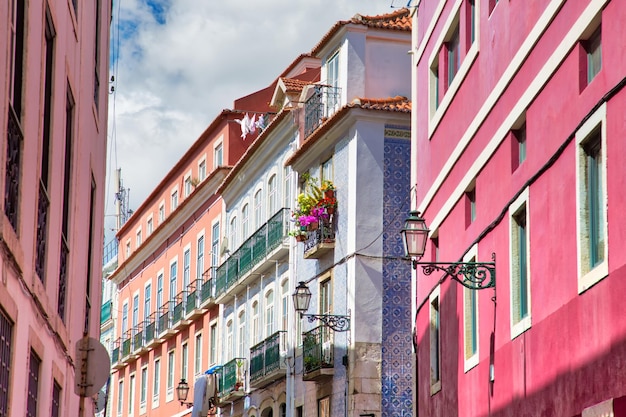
{"points": [[518, 147], [53, 112], [165, 314]]}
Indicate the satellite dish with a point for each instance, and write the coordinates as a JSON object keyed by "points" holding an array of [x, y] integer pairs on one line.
{"points": [[93, 366], [224, 248]]}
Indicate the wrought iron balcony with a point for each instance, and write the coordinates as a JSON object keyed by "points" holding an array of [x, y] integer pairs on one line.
{"points": [[13, 167], [207, 291], [320, 241], [267, 360], [150, 330], [193, 302], [321, 105], [233, 380], [105, 312], [126, 344], [115, 354], [253, 251], [179, 308], [138, 339], [165, 320], [317, 353]]}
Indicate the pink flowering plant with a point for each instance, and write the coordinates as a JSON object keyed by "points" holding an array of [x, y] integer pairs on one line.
{"points": [[311, 204]]}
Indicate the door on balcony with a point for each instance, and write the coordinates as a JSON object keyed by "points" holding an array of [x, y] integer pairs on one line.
{"points": [[326, 308]]}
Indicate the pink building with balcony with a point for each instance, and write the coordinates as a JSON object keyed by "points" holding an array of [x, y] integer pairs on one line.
{"points": [[518, 138], [53, 116]]}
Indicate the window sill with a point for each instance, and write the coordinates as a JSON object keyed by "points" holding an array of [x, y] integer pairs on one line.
{"points": [[592, 277]]}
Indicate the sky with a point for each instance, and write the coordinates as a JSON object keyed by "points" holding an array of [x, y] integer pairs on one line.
{"points": [[177, 63]]}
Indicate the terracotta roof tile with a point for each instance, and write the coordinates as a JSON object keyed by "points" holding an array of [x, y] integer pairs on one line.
{"points": [[294, 85], [399, 20], [397, 103]]}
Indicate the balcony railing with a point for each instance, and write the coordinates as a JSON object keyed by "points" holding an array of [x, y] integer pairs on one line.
{"points": [[150, 329], [126, 343], [233, 378], [115, 352], [13, 167], [207, 290], [165, 318], [267, 358], [179, 307], [317, 350], [105, 311], [321, 105], [321, 240], [267, 238], [138, 337]]}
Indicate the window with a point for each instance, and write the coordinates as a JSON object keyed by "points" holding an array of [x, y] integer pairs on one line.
{"points": [[197, 364], [149, 227], [131, 394], [593, 53], [591, 201], [518, 149], [470, 320], [269, 313], [138, 239], [472, 20], [492, 5], [34, 366], [470, 206], [213, 352], [6, 344], [435, 343], [174, 201], [326, 306], [143, 394], [147, 302], [287, 185], [233, 234], [200, 258], [229, 340], [435, 96], [120, 397], [161, 213], [453, 55], [245, 215], [241, 336], [219, 155], [520, 265], [332, 74], [323, 407], [258, 209], [156, 382], [128, 248], [184, 357], [272, 197], [159, 299], [188, 186], [56, 400], [285, 304], [327, 170], [215, 244], [255, 322], [202, 170], [186, 268], [124, 317], [170, 374], [173, 284], [135, 312]]}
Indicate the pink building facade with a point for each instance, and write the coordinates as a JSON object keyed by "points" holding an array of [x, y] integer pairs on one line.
{"points": [[518, 151], [53, 116]]}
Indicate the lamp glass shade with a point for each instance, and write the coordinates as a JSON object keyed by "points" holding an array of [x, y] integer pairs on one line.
{"points": [[301, 297], [182, 390], [415, 235]]}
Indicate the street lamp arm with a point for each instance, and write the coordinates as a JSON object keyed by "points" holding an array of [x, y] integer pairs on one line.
{"points": [[335, 322], [472, 275]]}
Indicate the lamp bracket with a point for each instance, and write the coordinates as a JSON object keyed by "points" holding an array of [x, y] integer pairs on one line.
{"points": [[472, 275], [335, 322]]}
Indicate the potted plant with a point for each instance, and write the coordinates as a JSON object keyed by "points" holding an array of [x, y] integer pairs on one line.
{"points": [[239, 383], [298, 234], [328, 188]]}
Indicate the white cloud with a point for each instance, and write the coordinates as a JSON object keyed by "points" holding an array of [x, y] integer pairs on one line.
{"points": [[173, 79]]}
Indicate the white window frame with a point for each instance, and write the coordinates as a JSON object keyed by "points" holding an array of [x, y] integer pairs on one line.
{"points": [[200, 255], [120, 396], [197, 362], [202, 172], [521, 203], [269, 310], [256, 321], [169, 382], [156, 381], [257, 208], [187, 267], [161, 211], [218, 154], [213, 343], [454, 19], [272, 194], [138, 238], [588, 278], [172, 297], [131, 393], [470, 361], [245, 220], [229, 346], [184, 361], [174, 197], [143, 390], [149, 225], [188, 184], [241, 332]]}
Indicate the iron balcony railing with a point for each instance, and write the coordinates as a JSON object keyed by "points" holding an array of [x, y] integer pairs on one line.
{"points": [[266, 357], [13, 168], [126, 343], [321, 105], [317, 349], [115, 352], [150, 328], [179, 307], [267, 238], [138, 336], [105, 311], [165, 316], [193, 296], [233, 377], [207, 290], [325, 233]]}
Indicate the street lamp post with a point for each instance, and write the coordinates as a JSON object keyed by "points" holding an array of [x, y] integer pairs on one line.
{"points": [[301, 300]]}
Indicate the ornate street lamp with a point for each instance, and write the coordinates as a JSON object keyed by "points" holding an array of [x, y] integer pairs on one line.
{"points": [[301, 300], [473, 275], [182, 391]]}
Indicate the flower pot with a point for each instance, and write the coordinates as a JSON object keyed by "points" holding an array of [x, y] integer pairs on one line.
{"points": [[329, 193], [300, 238], [303, 228], [330, 210]]}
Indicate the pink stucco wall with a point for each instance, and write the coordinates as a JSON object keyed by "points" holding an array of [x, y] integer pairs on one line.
{"points": [[572, 356], [28, 302]]}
